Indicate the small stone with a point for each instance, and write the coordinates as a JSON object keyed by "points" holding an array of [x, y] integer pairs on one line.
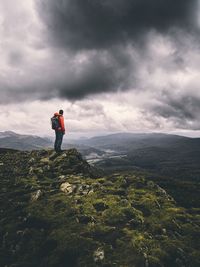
{"points": [[91, 191], [32, 160], [150, 184], [53, 155], [158, 204], [84, 189], [136, 222], [62, 156], [1, 163], [36, 195], [66, 188], [61, 177], [99, 255], [31, 170], [39, 170], [45, 160], [180, 251], [19, 232], [47, 167]]}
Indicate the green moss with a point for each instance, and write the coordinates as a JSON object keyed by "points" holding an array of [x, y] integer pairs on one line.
{"points": [[132, 220]]}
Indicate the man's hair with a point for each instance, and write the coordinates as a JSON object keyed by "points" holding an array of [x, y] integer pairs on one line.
{"points": [[60, 111]]}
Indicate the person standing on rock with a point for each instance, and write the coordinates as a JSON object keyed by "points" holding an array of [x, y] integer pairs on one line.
{"points": [[59, 126]]}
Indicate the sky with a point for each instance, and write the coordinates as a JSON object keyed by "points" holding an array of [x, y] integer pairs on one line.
{"points": [[111, 65]]}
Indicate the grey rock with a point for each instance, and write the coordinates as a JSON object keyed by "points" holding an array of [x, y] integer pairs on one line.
{"points": [[32, 160], [84, 189], [36, 195], [44, 160], [99, 255], [164, 231], [66, 188], [31, 170]]}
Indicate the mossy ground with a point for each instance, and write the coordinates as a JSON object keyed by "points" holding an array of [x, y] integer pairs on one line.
{"points": [[132, 221]]}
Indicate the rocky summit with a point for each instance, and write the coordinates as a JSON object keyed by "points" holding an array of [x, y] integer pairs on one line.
{"points": [[58, 211]]}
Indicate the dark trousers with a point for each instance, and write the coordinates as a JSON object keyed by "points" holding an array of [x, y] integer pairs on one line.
{"points": [[58, 141]]}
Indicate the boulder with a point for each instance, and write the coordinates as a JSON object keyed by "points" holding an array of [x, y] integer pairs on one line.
{"points": [[66, 188], [99, 255]]}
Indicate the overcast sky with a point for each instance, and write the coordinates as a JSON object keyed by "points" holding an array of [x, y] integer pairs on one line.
{"points": [[111, 65]]}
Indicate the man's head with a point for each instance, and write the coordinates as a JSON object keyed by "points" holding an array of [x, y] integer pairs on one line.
{"points": [[61, 112]]}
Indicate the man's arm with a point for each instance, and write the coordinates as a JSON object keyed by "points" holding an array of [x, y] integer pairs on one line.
{"points": [[62, 124]]}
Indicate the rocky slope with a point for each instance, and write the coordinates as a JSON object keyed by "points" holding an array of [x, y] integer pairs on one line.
{"points": [[56, 212]]}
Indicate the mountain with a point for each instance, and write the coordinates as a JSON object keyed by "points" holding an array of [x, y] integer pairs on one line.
{"points": [[57, 211], [172, 160], [168, 155], [12, 140], [127, 141], [9, 139]]}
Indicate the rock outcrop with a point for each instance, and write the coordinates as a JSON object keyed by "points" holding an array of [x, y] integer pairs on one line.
{"points": [[57, 211]]}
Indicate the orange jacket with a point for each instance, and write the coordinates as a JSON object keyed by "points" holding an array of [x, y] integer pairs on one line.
{"points": [[61, 122]]}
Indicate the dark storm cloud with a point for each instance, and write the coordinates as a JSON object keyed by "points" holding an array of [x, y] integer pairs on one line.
{"points": [[108, 26], [99, 71], [94, 24], [104, 72], [183, 111], [77, 48]]}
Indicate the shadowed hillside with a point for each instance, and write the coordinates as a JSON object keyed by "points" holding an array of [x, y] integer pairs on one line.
{"points": [[57, 210]]}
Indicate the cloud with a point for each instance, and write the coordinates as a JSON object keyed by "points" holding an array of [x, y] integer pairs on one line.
{"points": [[134, 59], [182, 111], [65, 76], [74, 49], [95, 24]]}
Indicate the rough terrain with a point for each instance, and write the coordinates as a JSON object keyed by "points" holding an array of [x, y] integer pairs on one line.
{"points": [[57, 211]]}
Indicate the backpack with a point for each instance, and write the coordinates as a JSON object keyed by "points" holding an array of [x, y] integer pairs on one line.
{"points": [[55, 122]]}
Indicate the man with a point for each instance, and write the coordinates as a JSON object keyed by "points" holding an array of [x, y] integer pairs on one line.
{"points": [[59, 131]]}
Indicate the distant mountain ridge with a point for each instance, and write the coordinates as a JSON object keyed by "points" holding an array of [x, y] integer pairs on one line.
{"points": [[118, 140], [166, 154], [173, 161], [12, 140], [126, 141]]}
